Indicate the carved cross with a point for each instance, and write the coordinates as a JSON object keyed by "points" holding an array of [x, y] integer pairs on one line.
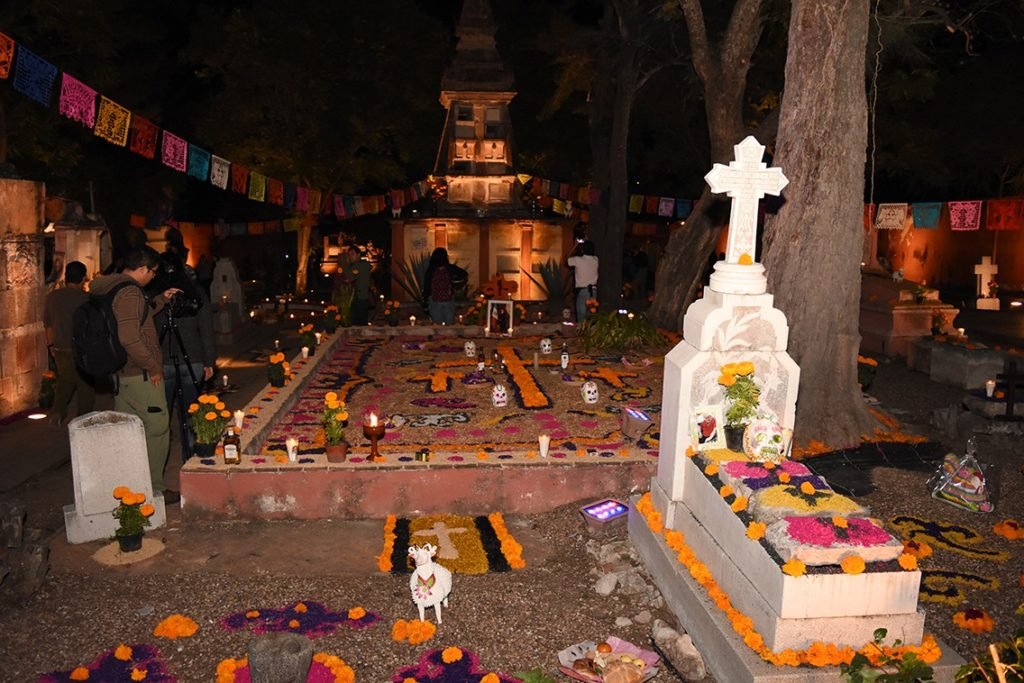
{"points": [[746, 180], [445, 548], [986, 272]]}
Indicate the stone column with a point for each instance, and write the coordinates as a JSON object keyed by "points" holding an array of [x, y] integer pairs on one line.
{"points": [[22, 291]]}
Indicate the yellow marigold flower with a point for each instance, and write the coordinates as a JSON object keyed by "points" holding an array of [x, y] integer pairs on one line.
{"points": [[252, 614], [123, 653], [451, 654], [121, 491], [840, 522], [356, 613], [139, 674], [739, 504], [725, 491], [210, 416], [80, 674], [807, 488], [908, 562], [219, 405], [300, 607], [294, 623], [340, 417], [794, 568], [745, 259], [745, 368], [852, 564], [755, 530], [147, 510], [727, 380], [784, 477]]}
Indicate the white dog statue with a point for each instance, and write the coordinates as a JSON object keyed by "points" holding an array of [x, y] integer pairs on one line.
{"points": [[430, 583]]}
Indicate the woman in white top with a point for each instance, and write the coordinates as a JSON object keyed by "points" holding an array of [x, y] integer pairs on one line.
{"points": [[583, 261]]}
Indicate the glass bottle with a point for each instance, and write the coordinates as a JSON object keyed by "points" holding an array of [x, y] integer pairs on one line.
{"points": [[232, 448], [564, 360]]}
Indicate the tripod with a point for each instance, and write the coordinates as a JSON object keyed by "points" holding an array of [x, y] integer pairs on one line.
{"points": [[170, 331]]}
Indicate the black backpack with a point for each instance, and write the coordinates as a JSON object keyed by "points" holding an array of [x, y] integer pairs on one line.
{"points": [[97, 350]]}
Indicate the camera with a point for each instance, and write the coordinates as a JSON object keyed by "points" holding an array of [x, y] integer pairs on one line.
{"points": [[184, 306], [174, 273]]}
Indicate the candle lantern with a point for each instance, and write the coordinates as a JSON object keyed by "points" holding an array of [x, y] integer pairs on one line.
{"points": [[990, 387], [373, 429]]}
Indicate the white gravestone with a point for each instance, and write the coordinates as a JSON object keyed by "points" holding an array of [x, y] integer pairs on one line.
{"points": [[108, 449], [986, 273], [227, 300]]}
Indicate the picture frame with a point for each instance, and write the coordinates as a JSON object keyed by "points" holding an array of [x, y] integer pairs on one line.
{"points": [[499, 318], [707, 427]]}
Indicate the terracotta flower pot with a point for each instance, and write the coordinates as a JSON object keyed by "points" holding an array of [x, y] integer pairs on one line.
{"points": [[130, 544], [337, 452]]}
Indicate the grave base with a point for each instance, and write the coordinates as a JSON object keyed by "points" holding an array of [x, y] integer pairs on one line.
{"points": [[725, 653], [102, 525]]}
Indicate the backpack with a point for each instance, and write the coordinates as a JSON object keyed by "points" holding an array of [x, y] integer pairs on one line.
{"points": [[97, 350]]}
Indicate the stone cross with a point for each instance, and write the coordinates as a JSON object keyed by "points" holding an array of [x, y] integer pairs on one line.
{"points": [[746, 180], [445, 548], [986, 272]]}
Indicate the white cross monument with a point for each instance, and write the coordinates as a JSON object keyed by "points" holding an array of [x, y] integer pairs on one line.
{"points": [[986, 273], [746, 180]]}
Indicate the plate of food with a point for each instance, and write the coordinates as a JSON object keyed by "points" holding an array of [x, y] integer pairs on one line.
{"points": [[613, 661]]}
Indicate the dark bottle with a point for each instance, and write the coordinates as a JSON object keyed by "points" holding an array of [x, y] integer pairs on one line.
{"points": [[232, 448]]}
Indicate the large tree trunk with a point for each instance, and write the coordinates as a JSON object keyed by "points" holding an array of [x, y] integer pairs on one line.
{"points": [[813, 246], [723, 73]]}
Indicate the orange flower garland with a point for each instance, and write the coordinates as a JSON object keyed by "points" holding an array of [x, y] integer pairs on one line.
{"points": [[818, 654], [510, 547], [918, 549], [176, 626], [414, 631], [384, 559], [974, 620]]}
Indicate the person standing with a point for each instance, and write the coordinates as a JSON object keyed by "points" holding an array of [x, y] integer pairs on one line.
{"points": [[357, 272], [439, 286], [57, 314], [584, 263], [140, 388]]}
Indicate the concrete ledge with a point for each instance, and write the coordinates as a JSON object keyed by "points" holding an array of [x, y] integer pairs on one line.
{"points": [[727, 657]]}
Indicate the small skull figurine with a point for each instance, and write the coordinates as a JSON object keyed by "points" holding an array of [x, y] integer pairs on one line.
{"points": [[499, 396], [470, 349], [545, 345], [589, 392]]}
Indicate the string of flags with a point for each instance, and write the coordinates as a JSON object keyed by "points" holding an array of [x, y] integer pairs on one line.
{"points": [[994, 214]]}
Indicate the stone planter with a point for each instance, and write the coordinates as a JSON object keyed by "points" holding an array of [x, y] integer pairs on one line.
{"points": [[131, 543], [336, 452]]}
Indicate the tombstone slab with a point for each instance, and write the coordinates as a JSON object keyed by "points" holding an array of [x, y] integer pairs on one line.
{"points": [[108, 449], [866, 539]]}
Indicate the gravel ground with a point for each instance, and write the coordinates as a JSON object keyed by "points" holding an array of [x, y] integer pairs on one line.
{"points": [[512, 621]]}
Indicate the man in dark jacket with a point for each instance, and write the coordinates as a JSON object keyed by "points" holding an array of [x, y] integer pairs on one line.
{"points": [[140, 381], [57, 315]]}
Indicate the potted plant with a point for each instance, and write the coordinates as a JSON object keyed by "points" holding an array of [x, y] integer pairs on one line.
{"points": [[343, 296], [742, 397], [208, 418], [334, 420], [47, 388], [308, 337], [332, 318], [132, 513], [391, 312], [278, 370]]}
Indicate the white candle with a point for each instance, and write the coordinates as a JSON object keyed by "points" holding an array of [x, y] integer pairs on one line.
{"points": [[318, 336], [277, 344], [545, 441], [292, 445], [990, 387], [239, 419], [305, 352], [373, 419], [412, 320], [224, 379], [961, 331]]}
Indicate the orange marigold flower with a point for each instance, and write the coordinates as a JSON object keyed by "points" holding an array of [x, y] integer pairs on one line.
{"points": [[974, 620], [739, 504], [918, 549], [907, 562], [408, 679], [490, 678], [784, 477], [176, 626], [400, 630], [139, 674], [818, 654], [80, 674], [300, 607], [210, 416], [294, 623], [794, 568], [121, 491], [840, 522], [852, 564], [727, 380], [745, 259], [1009, 529], [725, 491], [807, 488], [451, 654], [147, 510], [690, 452], [219, 405], [768, 465], [123, 653], [356, 613], [755, 530], [252, 614]]}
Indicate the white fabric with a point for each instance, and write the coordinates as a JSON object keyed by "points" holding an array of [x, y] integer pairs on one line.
{"points": [[586, 269]]}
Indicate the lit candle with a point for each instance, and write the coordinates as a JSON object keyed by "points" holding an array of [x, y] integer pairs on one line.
{"points": [[292, 445], [373, 419], [239, 419], [277, 344], [252, 314], [545, 442], [630, 316], [412, 320], [961, 331], [990, 387], [460, 318], [223, 299], [305, 352], [224, 379], [319, 336]]}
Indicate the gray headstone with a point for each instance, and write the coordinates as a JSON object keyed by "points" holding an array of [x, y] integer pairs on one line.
{"points": [[280, 658]]}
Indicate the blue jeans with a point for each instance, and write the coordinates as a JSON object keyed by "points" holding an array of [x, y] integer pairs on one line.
{"points": [[442, 312], [582, 295]]}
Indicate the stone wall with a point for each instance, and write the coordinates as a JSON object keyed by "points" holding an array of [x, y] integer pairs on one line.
{"points": [[22, 291]]}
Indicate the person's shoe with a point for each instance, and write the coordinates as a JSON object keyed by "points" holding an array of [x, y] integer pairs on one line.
{"points": [[171, 497]]}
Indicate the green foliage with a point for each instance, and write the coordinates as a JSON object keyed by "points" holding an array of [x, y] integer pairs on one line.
{"points": [[743, 397], [535, 675], [614, 331], [1011, 656], [130, 516], [906, 668], [334, 420], [410, 274], [342, 297], [555, 283]]}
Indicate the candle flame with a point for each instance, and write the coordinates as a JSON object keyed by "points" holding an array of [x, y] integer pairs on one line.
{"points": [[373, 419]]}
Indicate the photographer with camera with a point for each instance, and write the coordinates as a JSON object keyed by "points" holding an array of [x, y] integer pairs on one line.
{"points": [[185, 328]]}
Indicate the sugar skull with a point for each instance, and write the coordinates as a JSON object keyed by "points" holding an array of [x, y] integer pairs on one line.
{"points": [[545, 345], [763, 440], [470, 349], [499, 396], [589, 392]]}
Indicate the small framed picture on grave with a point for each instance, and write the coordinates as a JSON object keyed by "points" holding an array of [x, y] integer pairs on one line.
{"points": [[499, 318], [707, 427]]}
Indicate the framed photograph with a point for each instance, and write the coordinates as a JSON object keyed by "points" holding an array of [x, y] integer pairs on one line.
{"points": [[499, 318], [707, 427]]}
